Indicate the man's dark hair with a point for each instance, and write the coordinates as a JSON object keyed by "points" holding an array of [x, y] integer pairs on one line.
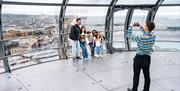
{"points": [[78, 19], [150, 25]]}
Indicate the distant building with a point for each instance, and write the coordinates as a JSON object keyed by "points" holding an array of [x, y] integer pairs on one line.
{"points": [[17, 50], [13, 33], [21, 46]]}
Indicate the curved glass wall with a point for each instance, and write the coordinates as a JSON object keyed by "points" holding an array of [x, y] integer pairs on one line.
{"points": [[138, 16], [30, 34], [118, 32], [167, 29]]}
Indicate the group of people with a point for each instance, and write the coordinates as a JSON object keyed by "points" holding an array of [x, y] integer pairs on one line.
{"points": [[80, 37], [142, 60]]}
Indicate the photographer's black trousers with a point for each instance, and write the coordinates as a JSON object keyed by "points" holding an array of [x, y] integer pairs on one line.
{"points": [[141, 62]]}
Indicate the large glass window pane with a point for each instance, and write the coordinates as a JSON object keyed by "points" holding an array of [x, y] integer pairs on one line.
{"points": [[92, 18], [30, 32], [132, 2], [1, 65], [30, 10], [118, 32], [89, 1], [37, 1], [167, 29], [140, 17], [171, 2], [30, 58]]}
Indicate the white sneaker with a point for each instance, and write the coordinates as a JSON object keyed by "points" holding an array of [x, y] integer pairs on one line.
{"points": [[97, 56]]}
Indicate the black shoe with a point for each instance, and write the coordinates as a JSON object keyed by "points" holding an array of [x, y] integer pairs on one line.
{"points": [[78, 58], [74, 59], [129, 89]]}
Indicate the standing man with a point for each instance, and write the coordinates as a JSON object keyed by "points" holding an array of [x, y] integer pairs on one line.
{"points": [[74, 36], [142, 60]]}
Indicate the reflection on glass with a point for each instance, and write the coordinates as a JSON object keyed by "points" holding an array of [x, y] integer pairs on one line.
{"points": [[119, 44], [31, 33], [33, 58], [167, 46], [118, 34], [138, 16], [167, 28]]}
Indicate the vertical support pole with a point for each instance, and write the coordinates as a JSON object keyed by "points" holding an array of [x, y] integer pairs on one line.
{"points": [[61, 30], [2, 45], [127, 23], [108, 23]]}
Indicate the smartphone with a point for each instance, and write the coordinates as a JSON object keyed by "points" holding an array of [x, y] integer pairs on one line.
{"points": [[136, 24]]}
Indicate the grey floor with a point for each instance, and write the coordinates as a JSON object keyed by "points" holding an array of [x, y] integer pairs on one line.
{"points": [[112, 73]]}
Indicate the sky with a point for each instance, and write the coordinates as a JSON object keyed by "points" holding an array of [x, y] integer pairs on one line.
{"points": [[82, 11]]}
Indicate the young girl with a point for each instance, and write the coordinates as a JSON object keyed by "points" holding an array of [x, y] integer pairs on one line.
{"points": [[98, 44], [83, 42], [92, 39]]}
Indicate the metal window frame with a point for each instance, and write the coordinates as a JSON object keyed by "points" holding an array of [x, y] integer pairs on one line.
{"points": [[152, 12], [108, 26], [150, 16], [127, 23], [2, 45], [62, 31], [85, 5]]}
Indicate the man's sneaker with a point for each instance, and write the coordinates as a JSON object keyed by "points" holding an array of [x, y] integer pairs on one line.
{"points": [[78, 58], [129, 89]]}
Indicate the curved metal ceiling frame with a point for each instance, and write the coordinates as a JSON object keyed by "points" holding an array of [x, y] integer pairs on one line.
{"points": [[152, 12]]}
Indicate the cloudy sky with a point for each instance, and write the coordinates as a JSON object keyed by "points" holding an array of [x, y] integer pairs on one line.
{"points": [[83, 11]]}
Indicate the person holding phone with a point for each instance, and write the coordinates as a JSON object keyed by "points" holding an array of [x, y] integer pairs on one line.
{"points": [[142, 60]]}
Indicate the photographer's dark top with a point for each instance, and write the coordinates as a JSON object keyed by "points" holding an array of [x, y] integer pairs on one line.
{"points": [[145, 42], [75, 33]]}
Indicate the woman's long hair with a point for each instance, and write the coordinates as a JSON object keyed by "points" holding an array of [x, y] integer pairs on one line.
{"points": [[82, 30]]}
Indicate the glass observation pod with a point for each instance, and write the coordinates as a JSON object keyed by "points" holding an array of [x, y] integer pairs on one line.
{"points": [[36, 51]]}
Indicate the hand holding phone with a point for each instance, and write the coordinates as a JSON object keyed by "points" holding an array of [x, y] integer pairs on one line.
{"points": [[136, 24]]}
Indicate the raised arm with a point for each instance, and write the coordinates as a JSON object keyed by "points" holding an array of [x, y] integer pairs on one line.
{"points": [[133, 36]]}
